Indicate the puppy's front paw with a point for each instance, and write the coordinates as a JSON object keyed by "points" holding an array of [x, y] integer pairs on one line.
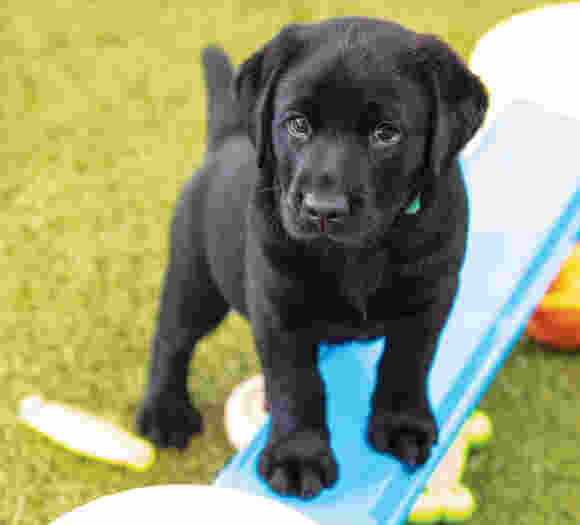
{"points": [[168, 420], [301, 464], [406, 436]]}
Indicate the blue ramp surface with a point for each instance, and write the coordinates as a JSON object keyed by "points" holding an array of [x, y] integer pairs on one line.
{"points": [[524, 191]]}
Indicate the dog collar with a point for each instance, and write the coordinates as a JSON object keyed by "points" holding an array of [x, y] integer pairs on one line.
{"points": [[414, 207]]}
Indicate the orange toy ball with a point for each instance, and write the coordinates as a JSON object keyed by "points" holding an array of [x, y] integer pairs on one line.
{"points": [[556, 321]]}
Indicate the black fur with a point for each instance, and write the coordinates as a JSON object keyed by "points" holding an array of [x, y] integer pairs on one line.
{"points": [[349, 121]]}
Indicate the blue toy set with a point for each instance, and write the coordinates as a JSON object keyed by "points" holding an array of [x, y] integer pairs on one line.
{"points": [[524, 195]]}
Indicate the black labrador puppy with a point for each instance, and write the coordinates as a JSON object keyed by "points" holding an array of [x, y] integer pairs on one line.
{"points": [[330, 207]]}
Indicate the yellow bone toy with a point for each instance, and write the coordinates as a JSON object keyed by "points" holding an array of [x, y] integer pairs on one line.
{"points": [[445, 499]]}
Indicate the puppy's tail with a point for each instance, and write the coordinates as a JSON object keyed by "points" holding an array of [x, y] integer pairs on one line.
{"points": [[223, 119]]}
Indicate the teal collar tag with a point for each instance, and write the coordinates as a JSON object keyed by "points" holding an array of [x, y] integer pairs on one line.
{"points": [[414, 207]]}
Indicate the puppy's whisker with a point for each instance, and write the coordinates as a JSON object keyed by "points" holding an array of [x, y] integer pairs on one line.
{"points": [[271, 188], [360, 192], [360, 196]]}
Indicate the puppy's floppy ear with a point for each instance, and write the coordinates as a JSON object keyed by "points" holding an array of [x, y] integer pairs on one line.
{"points": [[460, 98], [254, 88]]}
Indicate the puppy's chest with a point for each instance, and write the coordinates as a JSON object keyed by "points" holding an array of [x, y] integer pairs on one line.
{"points": [[337, 317], [352, 327]]}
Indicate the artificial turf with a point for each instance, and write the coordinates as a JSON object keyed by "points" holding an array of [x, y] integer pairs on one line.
{"points": [[102, 119]]}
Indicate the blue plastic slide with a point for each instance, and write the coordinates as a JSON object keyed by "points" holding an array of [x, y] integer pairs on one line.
{"points": [[523, 183]]}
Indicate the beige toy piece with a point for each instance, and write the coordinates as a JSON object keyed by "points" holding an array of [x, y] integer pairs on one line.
{"points": [[445, 499]]}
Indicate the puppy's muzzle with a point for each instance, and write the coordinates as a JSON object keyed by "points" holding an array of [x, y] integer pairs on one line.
{"points": [[324, 209]]}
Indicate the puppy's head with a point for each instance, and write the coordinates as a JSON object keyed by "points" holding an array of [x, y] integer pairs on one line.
{"points": [[351, 119]]}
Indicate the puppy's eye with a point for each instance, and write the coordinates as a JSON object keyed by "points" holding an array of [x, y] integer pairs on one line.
{"points": [[386, 134], [298, 127]]}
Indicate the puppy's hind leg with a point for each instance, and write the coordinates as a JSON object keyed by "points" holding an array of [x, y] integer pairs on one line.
{"points": [[191, 306], [188, 311]]}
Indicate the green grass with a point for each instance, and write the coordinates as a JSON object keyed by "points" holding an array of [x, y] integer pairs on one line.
{"points": [[101, 121]]}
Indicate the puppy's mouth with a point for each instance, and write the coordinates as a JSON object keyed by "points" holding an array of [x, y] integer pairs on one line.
{"points": [[336, 218], [322, 223], [325, 225]]}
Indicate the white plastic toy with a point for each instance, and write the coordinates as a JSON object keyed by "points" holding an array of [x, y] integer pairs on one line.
{"points": [[85, 434]]}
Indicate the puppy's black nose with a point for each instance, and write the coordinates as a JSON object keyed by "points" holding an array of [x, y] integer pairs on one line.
{"points": [[325, 207]]}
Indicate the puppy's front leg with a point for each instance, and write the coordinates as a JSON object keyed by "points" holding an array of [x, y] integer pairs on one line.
{"points": [[401, 421], [298, 459]]}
